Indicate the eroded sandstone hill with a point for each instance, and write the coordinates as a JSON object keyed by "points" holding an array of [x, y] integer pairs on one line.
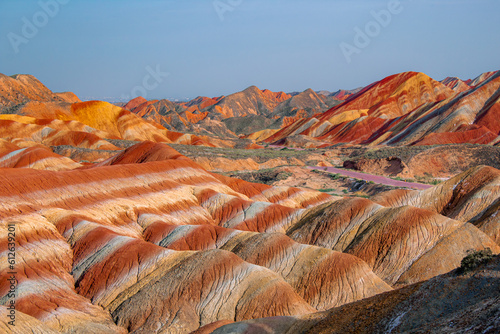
{"points": [[404, 110], [407, 109], [18, 89], [148, 241], [116, 231], [452, 303], [243, 112], [31, 114]]}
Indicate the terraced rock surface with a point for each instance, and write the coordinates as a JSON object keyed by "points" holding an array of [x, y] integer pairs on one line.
{"points": [[84, 259], [471, 196], [451, 303], [148, 241], [114, 231], [21, 88], [244, 112], [407, 109]]}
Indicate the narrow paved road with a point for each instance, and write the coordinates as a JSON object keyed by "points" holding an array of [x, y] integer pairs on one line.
{"points": [[375, 178]]}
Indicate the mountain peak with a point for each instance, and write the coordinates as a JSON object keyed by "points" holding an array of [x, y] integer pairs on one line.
{"points": [[21, 88], [134, 103], [310, 91], [252, 88]]}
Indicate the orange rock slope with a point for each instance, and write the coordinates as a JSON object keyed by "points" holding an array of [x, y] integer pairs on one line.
{"points": [[451, 303], [29, 111], [471, 196], [408, 109], [82, 248], [205, 115], [240, 113], [148, 241], [22, 88], [88, 125], [145, 240]]}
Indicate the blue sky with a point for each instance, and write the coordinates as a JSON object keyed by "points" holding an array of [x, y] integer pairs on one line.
{"points": [[107, 48]]}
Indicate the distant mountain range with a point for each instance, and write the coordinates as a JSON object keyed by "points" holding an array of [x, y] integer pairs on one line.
{"points": [[404, 109], [243, 112]]}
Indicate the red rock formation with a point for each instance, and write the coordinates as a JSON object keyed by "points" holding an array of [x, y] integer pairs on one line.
{"points": [[407, 109], [99, 216], [391, 97], [343, 94], [248, 102], [195, 118], [391, 241], [205, 115], [356, 132], [394, 96], [470, 196], [459, 114], [22, 88], [202, 102], [488, 116], [306, 268], [302, 105], [149, 241], [102, 119], [135, 103], [456, 84], [289, 120], [150, 238], [473, 134], [453, 302], [35, 157], [144, 152], [482, 78]]}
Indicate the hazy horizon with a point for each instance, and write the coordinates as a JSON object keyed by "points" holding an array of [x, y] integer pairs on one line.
{"points": [[167, 49]]}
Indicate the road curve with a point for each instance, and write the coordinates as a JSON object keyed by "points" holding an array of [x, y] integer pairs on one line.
{"points": [[374, 178]]}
